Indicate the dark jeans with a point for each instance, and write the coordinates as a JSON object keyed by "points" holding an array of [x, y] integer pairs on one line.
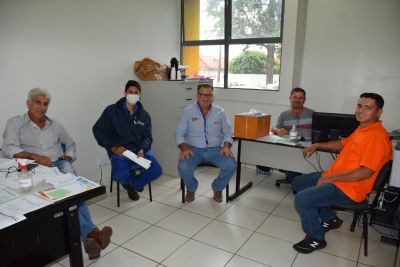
{"points": [[122, 171], [313, 202], [291, 175]]}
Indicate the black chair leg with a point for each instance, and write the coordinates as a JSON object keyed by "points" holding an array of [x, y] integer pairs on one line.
{"points": [[354, 222], [183, 191], [117, 194], [365, 233], [111, 184], [151, 196]]}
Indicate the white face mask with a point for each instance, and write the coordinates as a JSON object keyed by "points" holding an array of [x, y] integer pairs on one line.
{"points": [[132, 99]]}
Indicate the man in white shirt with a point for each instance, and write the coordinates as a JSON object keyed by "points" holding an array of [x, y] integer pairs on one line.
{"points": [[35, 136]]}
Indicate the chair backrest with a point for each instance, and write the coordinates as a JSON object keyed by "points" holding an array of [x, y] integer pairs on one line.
{"points": [[383, 176], [382, 179]]}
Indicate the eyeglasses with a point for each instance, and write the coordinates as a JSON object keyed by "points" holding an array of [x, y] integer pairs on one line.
{"points": [[9, 170], [206, 95]]}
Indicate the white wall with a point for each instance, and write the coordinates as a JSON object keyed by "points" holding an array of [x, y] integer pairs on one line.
{"points": [[352, 47], [82, 52]]}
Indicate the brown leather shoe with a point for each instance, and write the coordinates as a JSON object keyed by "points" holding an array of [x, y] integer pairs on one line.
{"points": [[217, 195], [92, 248], [189, 196], [102, 237]]}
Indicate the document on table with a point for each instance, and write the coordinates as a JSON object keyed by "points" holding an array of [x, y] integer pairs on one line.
{"points": [[7, 220], [66, 185], [7, 194], [13, 211], [145, 163]]}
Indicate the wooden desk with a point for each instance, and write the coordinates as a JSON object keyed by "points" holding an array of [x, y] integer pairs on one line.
{"points": [[267, 152], [47, 234]]}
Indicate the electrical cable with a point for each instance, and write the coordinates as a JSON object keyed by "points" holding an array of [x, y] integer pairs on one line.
{"points": [[309, 162], [101, 174], [318, 157]]}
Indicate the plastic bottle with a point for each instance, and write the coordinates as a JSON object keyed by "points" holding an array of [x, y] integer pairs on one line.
{"points": [[293, 134], [25, 178]]}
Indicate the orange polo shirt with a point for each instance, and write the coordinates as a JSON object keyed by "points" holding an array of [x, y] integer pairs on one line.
{"points": [[368, 147]]}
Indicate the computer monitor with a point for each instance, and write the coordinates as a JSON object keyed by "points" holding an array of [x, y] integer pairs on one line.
{"points": [[332, 126]]}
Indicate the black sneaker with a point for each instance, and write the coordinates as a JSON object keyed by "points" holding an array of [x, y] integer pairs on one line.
{"points": [[335, 223], [309, 244], [132, 194]]}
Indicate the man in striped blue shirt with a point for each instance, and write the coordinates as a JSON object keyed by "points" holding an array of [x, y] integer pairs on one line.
{"points": [[204, 136]]}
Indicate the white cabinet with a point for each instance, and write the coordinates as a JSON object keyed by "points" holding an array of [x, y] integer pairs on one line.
{"points": [[164, 101]]}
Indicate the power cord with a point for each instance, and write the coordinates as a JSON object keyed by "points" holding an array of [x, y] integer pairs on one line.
{"points": [[309, 162], [101, 174], [318, 157]]}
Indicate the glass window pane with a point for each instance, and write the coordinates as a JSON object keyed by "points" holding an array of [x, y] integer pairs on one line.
{"points": [[256, 18], [204, 20], [205, 61], [251, 67]]}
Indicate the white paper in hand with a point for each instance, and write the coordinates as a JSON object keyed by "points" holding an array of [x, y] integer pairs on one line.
{"points": [[145, 163]]}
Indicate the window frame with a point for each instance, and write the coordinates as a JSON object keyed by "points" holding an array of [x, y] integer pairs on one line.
{"points": [[227, 41]]}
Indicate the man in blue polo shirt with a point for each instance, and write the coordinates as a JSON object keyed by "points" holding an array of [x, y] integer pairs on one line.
{"points": [[126, 125], [204, 135]]}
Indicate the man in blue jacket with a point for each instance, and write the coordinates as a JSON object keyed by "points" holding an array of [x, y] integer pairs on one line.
{"points": [[123, 126]]}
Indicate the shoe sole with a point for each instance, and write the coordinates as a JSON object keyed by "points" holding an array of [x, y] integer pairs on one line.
{"points": [[307, 250], [106, 237], [333, 228], [215, 197], [93, 249], [190, 198]]}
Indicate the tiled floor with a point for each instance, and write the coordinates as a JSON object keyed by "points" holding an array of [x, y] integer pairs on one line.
{"points": [[257, 229]]}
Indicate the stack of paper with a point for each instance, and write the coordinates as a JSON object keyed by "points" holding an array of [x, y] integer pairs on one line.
{"points": [[145, 163], [66, 185]]}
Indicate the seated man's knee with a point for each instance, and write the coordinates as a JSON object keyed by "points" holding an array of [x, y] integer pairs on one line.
{"points": [[157, 170], [184, 166], [302, 199], [229, 165]]}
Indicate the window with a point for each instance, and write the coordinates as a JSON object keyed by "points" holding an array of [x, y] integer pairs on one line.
{"points": [[237, 43]]}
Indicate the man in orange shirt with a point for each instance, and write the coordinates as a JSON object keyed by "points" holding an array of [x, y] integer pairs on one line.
{"points": [[350, 178]]}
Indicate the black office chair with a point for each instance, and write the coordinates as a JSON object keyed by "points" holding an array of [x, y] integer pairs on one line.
{"points": [[136, 171], [366, 208]]}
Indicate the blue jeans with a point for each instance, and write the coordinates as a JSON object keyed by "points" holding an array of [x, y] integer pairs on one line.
{"points": [[122, 171], [313, 202], [85, 221], [209, 155]]}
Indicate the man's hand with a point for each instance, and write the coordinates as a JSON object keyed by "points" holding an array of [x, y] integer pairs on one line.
{"points": [[226, 151], [118, 150], [324, 180], [281, 132], [309, 150], [186, 152], [42, 160], [67, 158], [140, 153]]}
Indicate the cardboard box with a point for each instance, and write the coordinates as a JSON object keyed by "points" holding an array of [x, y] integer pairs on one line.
{"points": [[251, 126]]}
